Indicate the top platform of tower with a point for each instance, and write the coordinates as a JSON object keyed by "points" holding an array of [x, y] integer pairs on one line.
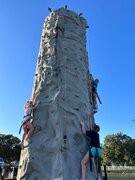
{"points": [[68, 14]]}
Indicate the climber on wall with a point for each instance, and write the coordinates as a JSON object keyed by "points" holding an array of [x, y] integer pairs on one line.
{"points": [[27, 126], [94, 149], [94, 84]]}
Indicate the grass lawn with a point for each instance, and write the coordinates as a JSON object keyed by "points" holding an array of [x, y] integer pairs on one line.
{"points": [[121, 177]]}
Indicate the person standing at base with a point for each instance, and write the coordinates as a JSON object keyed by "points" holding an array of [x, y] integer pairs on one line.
{"points": [[94, 150]]}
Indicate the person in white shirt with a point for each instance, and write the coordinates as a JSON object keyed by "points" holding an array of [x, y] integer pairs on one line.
{"points": [[27, 126]]}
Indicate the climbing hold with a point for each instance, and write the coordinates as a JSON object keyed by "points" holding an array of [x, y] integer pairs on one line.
{"points": [[76, 109], [50, 9], [64, 142], [80, 14]]}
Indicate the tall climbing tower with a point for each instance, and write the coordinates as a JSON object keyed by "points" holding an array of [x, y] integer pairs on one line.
{"points": [[61, 87]]}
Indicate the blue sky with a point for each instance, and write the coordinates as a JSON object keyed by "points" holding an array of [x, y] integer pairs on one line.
{"points": [[111, 48]]}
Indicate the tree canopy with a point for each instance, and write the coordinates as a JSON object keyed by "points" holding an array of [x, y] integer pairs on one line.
{"points": [[9, 147], [118, 149]]}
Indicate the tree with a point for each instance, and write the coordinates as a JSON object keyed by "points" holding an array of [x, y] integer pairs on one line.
{"points": [[9, 147], [118, 149]]}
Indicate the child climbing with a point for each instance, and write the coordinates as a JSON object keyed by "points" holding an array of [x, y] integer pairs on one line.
{"points": [[27, 126], [94, 149], [94, 84]]}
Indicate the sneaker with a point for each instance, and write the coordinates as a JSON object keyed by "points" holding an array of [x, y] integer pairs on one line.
{"points": [[22, 147], [94, 110], [28, 140]]}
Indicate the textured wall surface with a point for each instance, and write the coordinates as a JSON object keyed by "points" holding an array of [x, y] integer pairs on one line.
{"points": [[61, 86]]}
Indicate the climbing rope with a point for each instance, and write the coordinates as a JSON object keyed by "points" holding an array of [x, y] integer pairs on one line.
{"points": [[65, 113], [91, 116], [65, 95]]}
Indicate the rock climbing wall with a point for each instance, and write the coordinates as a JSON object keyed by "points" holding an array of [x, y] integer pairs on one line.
{"points": [[61, 87]]}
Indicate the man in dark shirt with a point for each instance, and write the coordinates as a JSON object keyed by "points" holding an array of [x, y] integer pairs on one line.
{"points": [[95, 150]]}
